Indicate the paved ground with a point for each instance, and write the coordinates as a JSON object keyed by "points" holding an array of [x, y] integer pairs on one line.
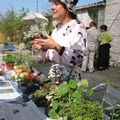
{"points": [[111, 75]]}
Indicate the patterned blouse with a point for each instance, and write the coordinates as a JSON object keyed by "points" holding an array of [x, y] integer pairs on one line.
{"points": [[72, 37]]}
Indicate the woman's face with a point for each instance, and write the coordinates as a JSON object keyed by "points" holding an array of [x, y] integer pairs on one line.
{"points": [[58, 11]]}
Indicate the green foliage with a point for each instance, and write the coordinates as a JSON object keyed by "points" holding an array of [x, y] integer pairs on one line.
{"points": [[68, 100], [39, 98], [32, 32], [23, 80], [11, 25], [39, 93], [53, 114], [116, 115], [24, 59], [47, 82], [9, 58], [49, 26]]}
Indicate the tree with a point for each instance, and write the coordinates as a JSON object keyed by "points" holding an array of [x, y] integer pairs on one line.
{"points": [[11, 25], [49, 26]]}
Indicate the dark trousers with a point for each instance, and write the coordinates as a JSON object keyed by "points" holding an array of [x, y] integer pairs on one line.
{"points": [[103, 58]]}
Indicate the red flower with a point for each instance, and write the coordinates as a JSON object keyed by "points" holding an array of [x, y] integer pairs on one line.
{"points": [[32, 77]]}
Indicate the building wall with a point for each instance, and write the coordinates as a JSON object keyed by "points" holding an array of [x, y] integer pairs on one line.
{"points": [[101, 16], [112, 20], [84, 17]]}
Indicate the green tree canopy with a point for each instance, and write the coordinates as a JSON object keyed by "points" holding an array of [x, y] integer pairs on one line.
{"points": [[11, 25], [49, 26]]}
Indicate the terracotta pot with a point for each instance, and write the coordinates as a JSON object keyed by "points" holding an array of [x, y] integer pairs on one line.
{"points": [[53, 85], [10, 66], [1, 70], [2, 66], [44, 88]]}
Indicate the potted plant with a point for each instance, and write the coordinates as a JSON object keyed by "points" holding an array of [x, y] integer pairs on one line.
{"points": [[47, 83], [9, 59], [23, 83], [67, 99], [28, 82], [39, 98]]}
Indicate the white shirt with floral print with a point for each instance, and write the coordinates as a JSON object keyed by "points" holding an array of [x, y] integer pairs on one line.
{"points": [[72, 36]]}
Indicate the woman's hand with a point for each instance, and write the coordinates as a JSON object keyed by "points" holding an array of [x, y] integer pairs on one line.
{"points": [[48, 43], [36, 44]]}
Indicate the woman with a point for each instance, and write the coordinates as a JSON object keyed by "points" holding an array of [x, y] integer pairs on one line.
{"points": [[104, 48], [67, 44]]}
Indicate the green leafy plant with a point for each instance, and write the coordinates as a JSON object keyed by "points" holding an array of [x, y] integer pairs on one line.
{"points": [[68, 100], [23, 80], [23, 59], [47, 81], [39, 98], [116, 115], [39, 93], [9, 58], [11, 25], [44, 88]]}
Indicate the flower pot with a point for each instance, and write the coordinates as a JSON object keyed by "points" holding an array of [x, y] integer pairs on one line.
{"points": [[47, 109], [9, 66], [53, 85], [44, 88], [24, 89], [40, 101], [2, 69]]}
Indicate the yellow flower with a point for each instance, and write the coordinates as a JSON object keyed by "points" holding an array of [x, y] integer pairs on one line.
{"points": [[24, 73], [23, 67], [18, 70]]}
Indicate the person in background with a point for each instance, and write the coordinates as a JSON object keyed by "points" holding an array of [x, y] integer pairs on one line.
{"points": [[92, 45], [104, 48], [66, 46]]}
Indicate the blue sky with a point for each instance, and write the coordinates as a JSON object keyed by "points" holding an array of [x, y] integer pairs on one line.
{"points": [[31, 4]]}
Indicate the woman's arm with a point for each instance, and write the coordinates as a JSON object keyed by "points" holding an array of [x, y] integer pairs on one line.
{"points": [[73, 53]]}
